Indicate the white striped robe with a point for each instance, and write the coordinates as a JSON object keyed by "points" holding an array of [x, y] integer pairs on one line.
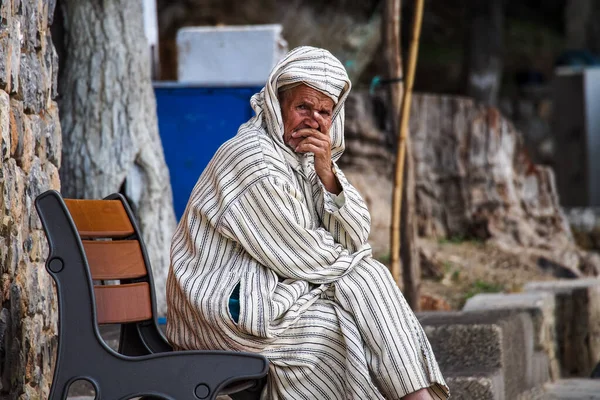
{"points": [[329, 317]]}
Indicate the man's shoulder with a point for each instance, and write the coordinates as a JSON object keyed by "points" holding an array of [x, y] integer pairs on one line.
{"points": [[249, 149]]}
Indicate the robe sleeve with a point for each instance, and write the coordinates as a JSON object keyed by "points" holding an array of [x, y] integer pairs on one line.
{"points": [[269, 222], [348, 218]]}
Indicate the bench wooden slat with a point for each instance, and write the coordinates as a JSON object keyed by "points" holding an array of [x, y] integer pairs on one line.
{"points": [[117, 304], [100, 218], [114, 260]]}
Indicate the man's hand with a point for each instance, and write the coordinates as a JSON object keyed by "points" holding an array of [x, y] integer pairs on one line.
{"points": [[318, 142]]}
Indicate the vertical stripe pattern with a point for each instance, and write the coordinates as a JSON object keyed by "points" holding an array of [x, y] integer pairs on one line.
{"points": [[330, 318]]}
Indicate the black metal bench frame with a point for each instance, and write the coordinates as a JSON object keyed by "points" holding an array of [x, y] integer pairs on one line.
{"points": [[145, 364]]}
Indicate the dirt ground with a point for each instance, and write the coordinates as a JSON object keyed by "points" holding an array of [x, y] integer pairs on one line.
{"points": [[454, 271]]}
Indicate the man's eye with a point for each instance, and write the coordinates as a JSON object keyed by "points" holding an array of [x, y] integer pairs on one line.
{"points": [[325, 113], [302, 107]]}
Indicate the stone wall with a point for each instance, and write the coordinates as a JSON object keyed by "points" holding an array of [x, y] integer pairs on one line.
{"points": [[30, 151]]}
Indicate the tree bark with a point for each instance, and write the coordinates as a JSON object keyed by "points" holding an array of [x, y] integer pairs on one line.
{"points": [[108, 119], [484, 46]]}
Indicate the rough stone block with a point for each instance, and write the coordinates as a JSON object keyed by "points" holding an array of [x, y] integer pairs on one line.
{"points": [[31, 83], [5, 286], [477, 385], [39, 139], [12, 255], [484, 341], [51, 62], [10, 49], [42, 177], [39, 247], [577, 323], [4, 126], [31, 24], [51, 171], [539, 305], [4, 53], [16, 125], [53, 134], [26, 149], [38, 183], [15, 55], [13, 191]]}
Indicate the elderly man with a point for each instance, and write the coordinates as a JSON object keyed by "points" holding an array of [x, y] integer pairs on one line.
{"points": [[271, 255]]}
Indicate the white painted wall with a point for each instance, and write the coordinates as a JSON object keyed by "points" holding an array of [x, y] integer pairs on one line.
{"points": [[229, 55]]}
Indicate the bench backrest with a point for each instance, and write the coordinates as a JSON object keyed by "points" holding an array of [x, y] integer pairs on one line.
{"points": [[114, 254]]}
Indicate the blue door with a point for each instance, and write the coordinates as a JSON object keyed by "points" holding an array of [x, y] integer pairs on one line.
{"points": [[193, 122]]}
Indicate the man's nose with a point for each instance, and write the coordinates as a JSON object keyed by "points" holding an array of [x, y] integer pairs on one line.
{"points": [[312, 122]]}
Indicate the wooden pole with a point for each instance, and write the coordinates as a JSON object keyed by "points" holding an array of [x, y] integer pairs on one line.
{"points": [[410, 271], [393, 52]]}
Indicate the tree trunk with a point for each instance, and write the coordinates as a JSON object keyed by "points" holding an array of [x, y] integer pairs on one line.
{"points": [[484, 45], [108, 118]]}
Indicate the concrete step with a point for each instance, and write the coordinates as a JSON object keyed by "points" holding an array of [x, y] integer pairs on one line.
{"points": [[573, 389], [476, 384], [541, 307], [540, 369], [577, 319], [565, 389], [491, 340]]}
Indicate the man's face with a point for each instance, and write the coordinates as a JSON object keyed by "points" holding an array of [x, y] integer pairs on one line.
{"points": [[304, 107]]}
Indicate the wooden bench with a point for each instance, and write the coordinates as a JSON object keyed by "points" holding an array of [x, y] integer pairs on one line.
{"points": [[93, 242]]}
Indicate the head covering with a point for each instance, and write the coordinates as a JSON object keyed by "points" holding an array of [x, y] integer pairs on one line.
{"points": [[316, 68]]}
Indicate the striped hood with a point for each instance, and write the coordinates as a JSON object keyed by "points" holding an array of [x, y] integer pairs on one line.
{"points": [[316, 68]]}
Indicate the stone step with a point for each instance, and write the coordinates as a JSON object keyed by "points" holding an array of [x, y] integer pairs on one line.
{"points": [[577, 319], [565, 389], [479, 384], [541, 307], [486, 341], [540, 369], [573, 389]]}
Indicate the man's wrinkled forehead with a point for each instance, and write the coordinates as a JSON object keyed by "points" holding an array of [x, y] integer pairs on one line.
{"points": [[303, 92]]}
